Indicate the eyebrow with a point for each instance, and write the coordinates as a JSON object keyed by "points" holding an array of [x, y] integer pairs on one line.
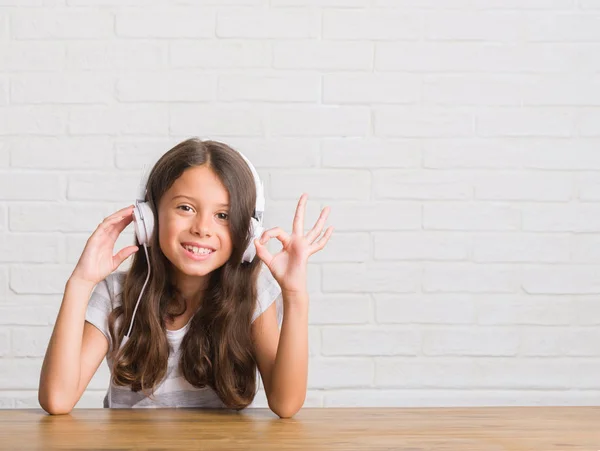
{"points": [[191, 198]]}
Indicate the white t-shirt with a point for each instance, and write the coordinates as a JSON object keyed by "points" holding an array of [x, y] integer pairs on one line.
{"points": [[174, 390]]}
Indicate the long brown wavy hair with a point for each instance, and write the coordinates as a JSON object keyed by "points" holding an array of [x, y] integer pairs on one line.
{"points": [[217, 349]]}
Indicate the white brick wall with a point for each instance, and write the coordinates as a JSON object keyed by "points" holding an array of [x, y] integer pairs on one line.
{"points": [[456, 141]]}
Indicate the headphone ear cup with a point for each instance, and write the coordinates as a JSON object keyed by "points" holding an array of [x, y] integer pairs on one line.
{"points": [[256, 230], [143, 222]]}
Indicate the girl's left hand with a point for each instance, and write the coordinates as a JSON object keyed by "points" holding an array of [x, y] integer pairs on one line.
{"points": [[289, 266]]}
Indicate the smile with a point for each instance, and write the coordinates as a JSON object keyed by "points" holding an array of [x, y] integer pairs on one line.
{"points": [[196, 252]]}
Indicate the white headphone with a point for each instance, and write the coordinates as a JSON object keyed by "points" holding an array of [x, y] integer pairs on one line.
{"points": [[143, 223]]}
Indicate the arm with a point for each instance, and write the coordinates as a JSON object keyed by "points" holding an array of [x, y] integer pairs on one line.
{"points": [[76, 348], [282, 358], [74, 353]]}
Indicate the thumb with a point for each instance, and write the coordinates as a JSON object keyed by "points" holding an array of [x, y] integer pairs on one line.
{"points": [[123, 254], [262, 252]]}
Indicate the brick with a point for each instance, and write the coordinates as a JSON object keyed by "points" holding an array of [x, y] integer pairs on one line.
{"points": [[4, 155], [336, 3], [119, 119], [225, 121], [521, 248], [455, 398], [340, 373], [61, 152], [174, 22], [56, 217], [320, 121], [563, 27], [116, 55], [525, 186], [489, 373], [268, 24], [470, 341], [520, 309], [473, 26], [325, 184], [466, 89], [470, 278], [561, 218], [32, 120], [366, 341], [172, 87], [525, 122], [3, 91], [30, 341], [220, 54], [367, 153], [323, 55], [4, 342], [4, 280], [23, 315], [257, 88], [417, 185], [278, 152], [30, 186], [32, 56], [19, 374], [371, 277], [417, 122], [133, 152], [484, 57], [471, 154], [572, 279], [44, 88], [473, 217], [281, 214], [375, 215], [62, 24], [561, 154], [371, 88], [22, 248], [424, 4], [344, 247], [585, 248], [371, 25], [525, 4], [29, 279], [420, 246], [419, 308], [103, 187], [586, 122], [340, 309], [561, 90], [557, 342]]}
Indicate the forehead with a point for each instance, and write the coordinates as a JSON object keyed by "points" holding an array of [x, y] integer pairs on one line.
{"points": [[199, 182]]}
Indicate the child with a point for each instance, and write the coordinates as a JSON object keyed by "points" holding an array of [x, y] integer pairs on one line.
{"points": [[196, 315]]}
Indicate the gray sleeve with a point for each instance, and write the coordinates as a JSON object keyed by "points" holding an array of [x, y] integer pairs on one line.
{"points": [[268, 291], [99, 307]]}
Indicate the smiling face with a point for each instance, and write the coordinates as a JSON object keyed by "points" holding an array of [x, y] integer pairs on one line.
{"points": [[194, 231]]}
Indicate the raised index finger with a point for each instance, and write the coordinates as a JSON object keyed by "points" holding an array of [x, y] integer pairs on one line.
{"points": [[298, 226]]}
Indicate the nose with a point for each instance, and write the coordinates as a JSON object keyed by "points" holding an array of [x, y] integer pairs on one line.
{"points": [[201, 225]]}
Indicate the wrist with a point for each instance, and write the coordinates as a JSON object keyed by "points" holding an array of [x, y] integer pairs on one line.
{"points": [[79, 284], [295, 297]]}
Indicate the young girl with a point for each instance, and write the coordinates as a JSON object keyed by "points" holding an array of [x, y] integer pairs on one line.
{"points": [[196, 315]]}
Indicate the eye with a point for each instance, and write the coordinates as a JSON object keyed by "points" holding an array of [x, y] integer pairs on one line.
{"points": [[223, 216], [185, 208]]}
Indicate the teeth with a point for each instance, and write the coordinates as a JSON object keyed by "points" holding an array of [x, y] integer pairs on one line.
{"points": [[198, 250]]}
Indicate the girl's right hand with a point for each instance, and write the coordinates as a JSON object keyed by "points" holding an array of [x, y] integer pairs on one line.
{"points": [[97, 260]]}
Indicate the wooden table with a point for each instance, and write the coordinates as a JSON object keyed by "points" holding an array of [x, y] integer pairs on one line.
{"points": [[456, 429]]}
